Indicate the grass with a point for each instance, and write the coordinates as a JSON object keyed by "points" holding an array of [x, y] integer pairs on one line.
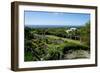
{"points": [[65, 39]]}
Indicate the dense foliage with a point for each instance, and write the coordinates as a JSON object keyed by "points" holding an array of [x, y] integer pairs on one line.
{"points": [[54, 43]]}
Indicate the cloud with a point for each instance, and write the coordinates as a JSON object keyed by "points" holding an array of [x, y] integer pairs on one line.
{"points": [[57, 13]]}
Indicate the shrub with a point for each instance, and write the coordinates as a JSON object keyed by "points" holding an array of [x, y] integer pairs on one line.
{"points": [[73, 46]]}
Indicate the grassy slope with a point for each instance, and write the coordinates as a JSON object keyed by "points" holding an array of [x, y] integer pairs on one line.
{"points": [[69, 42], [65, 39]]}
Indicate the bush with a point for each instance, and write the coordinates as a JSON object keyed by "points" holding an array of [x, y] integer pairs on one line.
{"points": [[73, 46]]}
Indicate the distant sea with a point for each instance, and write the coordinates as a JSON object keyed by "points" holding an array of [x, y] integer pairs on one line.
{"points": [[51, 26]]}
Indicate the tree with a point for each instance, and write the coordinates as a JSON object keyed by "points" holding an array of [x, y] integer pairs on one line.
{"points": [[85, 33]]}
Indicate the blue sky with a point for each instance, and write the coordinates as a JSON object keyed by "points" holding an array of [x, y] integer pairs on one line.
{"points": [[55, 18]]}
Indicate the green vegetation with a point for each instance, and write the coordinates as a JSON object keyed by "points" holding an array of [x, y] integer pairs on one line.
{"points": [[56, 43]]}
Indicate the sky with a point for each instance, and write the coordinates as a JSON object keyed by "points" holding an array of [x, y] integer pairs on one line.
{"points": [[55, 18]]}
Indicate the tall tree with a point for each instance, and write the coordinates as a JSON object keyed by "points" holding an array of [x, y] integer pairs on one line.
{"points": [[85, 33]]}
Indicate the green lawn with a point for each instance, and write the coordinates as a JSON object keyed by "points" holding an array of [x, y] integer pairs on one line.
{"points": [[65, 39]]}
